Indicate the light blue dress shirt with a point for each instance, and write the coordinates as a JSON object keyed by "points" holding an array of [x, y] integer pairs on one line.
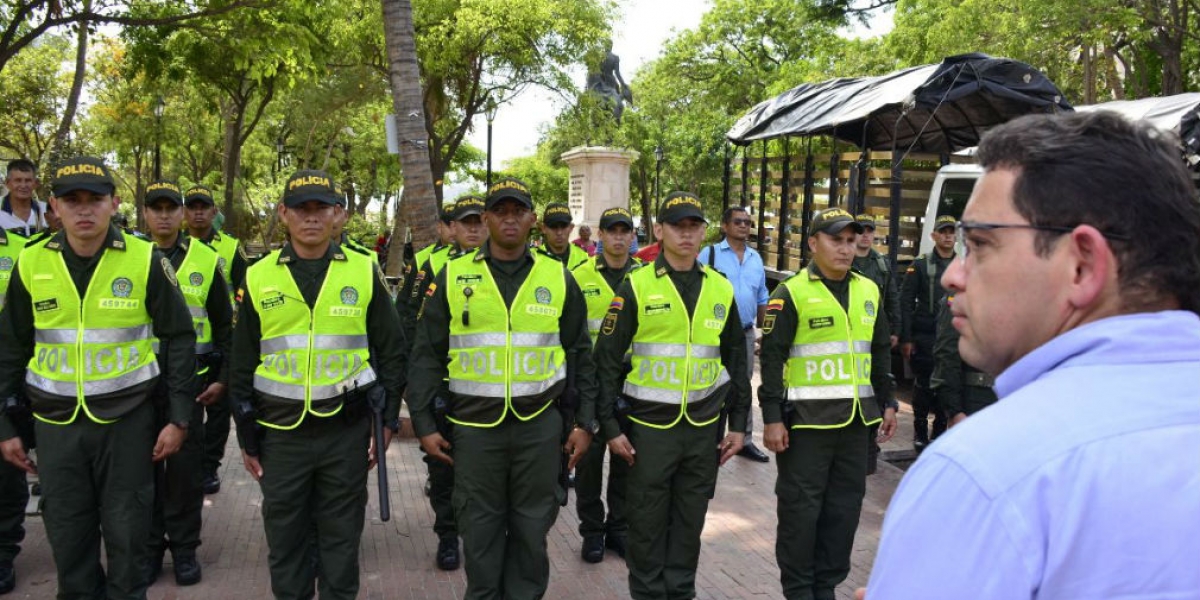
{"points": [[1081, 483], [748, 277]]}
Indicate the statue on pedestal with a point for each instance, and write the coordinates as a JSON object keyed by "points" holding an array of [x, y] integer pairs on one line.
{"points": [[608, 85]]}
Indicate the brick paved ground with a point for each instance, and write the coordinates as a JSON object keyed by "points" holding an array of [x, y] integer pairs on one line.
{"points": [[737, 561]]}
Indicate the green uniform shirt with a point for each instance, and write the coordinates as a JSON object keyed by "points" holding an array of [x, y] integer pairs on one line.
{"points": [[172, 325], [919, 296], [386, 338], [779, 332], [616, 334], [960, 388], [874, 265], [432, 345]]}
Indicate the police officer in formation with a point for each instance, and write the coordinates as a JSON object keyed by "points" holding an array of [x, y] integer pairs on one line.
{"points": [[826, 358], [920, 295], [962, 390], [83, 310], [598, 279], [868, 261], [178, 492], [679, 320], [317, 339], [508, 329], [466, 234], [556, 233], [14, 487], [199, 215]]}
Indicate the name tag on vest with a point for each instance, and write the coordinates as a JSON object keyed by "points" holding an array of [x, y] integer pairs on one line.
{"points": [[820, 322], [46, 305], [656, 309]]}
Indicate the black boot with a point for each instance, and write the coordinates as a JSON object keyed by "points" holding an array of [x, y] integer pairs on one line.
{"points": [[187, 570], [447, 554], [8, 577], [920, 433], [593, 549]]}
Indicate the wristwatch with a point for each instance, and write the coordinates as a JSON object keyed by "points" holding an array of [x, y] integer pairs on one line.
{"points": [[180, 424], [592, 427]]}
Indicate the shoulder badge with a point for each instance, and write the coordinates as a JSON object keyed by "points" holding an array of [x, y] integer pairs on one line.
{"points": [[169, 271]]}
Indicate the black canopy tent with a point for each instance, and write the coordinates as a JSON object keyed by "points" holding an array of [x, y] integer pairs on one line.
{"points": [[938, 108], [1179, 114]]}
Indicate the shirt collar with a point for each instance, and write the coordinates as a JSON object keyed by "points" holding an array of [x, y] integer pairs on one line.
{"points": [[485, 252], [114, 239], [287, 254], [662, 267]]}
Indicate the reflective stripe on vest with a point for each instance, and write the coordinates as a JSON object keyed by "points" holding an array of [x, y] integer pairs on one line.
{"points": [[509, 356], [97, 344], [828, 371], [316, 354], [676, 359]]}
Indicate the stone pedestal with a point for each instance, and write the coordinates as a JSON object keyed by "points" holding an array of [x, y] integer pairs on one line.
{"points": [[599, 181]]}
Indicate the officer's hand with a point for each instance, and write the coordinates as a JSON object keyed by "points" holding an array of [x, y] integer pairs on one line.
{"points": [[169, 441], [14, 452], [435, 445], [895, 341], [888, 427], [212, 394], [252, 466], [775, 437], [387, 443], [906, 350], [577, 445], [731, 445], [957, 418], [620, 446]]}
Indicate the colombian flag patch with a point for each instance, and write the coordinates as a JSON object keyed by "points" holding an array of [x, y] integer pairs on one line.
{"points": [[775, 304], [618, 303], [432, 288]]}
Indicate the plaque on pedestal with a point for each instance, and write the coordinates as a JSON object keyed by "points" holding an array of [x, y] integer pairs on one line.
{"points": [[599, 181]]}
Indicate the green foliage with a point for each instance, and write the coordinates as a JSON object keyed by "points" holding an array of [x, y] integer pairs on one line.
{"points": [[33, 90]]}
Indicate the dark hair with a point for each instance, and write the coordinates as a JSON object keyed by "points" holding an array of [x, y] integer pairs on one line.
{"points": [[1127, 180], [21, 164], [727, 216]]}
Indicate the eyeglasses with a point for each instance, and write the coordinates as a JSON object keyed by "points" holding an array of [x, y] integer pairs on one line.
{"points": [[746, 222], [962, 229]]}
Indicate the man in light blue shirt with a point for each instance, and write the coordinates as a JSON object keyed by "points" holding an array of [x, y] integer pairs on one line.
{"points": [[743, 266], [1078, 281]]}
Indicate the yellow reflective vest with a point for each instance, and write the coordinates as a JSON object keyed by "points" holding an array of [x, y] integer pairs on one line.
{"points": [[828, 371], [94, 345], [596, 291], [310, 357], [11, 245], [226, 246], [195, 276], [676, 358], [504, 360]]}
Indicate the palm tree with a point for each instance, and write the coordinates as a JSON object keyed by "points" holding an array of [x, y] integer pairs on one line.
{"points": [[418, 204]]}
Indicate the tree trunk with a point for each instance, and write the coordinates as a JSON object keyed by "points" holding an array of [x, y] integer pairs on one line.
{"points": [[418, 206], [647, 204], [59, 141], [232, 169]]}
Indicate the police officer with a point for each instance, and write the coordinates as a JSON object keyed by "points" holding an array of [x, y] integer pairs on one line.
{"points": [[343, 239], [445, 238], [83, 309], [599, 279], [14, 487], [316, 337], [826, 355], [869, 262], [556, 229], [920, 295], [509, 329], [962, 390], [468, 232], [680, 320], [200, 211], [178, 493]]}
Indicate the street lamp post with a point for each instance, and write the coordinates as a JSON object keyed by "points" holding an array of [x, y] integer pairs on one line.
{"points": [[658, 160], [490, 113], [159, 106]]}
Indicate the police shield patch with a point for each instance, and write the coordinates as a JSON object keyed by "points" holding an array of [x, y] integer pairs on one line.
{"points": [[349, 296], [221, 263], [719, 311], [869, 307], [6, 263], [122, 287], [542, 295], [196, 279]]}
